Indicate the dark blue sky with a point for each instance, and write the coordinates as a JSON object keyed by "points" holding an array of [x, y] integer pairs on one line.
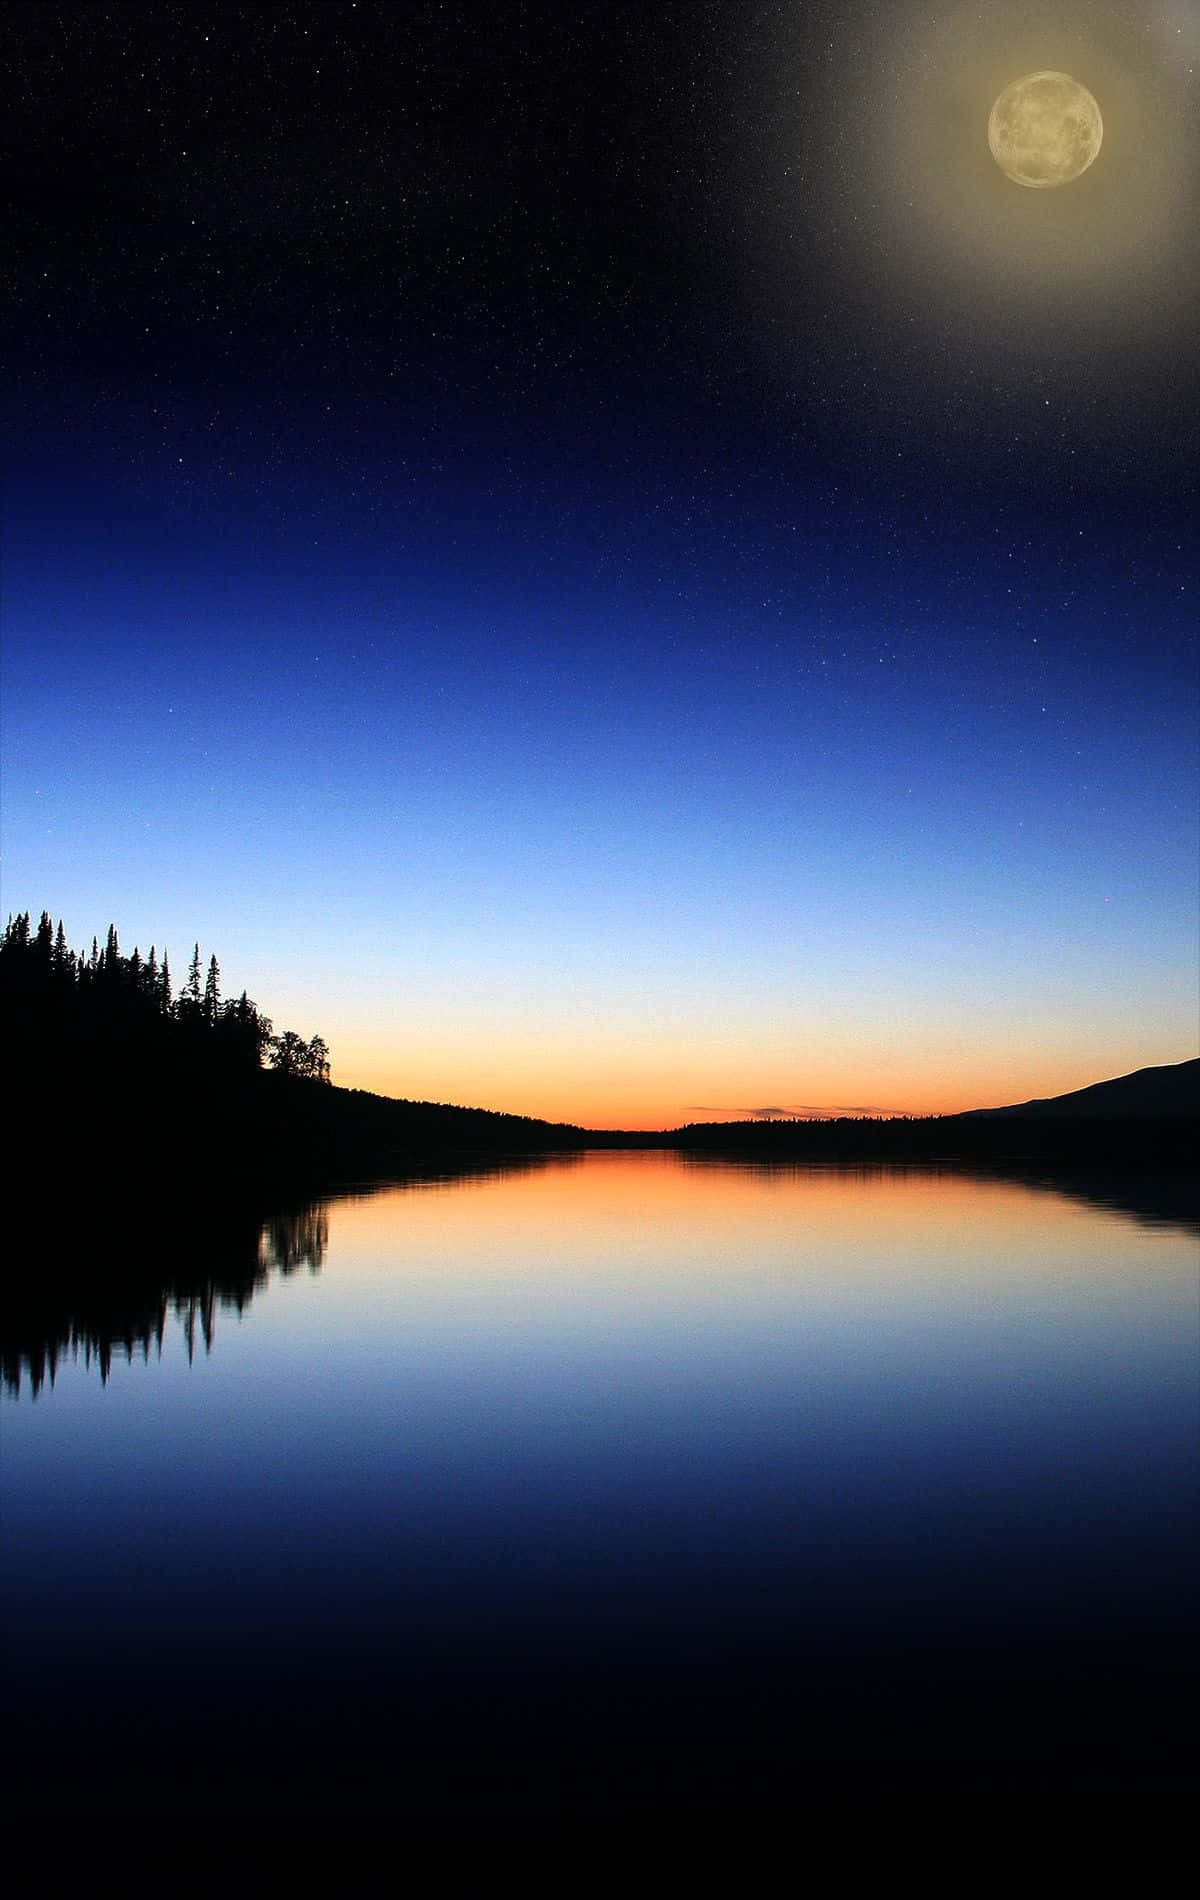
{"points": [[612, 567]]}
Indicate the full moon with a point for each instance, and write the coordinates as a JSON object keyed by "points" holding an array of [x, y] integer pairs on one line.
{"points": [[1045, 130]]}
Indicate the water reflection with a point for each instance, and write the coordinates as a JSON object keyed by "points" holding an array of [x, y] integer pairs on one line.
{"points": [[106, 1280], [103, 1294], [1162, 1199], [633, 1487]]}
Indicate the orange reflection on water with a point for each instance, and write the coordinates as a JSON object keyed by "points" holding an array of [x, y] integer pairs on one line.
{"points": [[649, 1208]]}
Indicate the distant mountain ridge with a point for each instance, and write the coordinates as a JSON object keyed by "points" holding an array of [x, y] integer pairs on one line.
{"points": [[1172, 1088]]}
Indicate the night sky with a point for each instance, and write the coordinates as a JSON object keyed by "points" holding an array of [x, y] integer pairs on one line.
{"points": [[604, 557]]}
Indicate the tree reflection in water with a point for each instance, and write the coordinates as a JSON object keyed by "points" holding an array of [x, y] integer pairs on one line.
{"points": [[106, 1288], [102, 1280]]}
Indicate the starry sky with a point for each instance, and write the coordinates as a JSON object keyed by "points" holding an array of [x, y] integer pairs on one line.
{"points": [[602, 556]]}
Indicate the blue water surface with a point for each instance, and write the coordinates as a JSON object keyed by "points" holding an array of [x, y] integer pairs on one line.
{"points": [[628, 1487]]}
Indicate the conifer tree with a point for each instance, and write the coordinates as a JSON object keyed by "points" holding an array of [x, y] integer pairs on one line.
{"points": [[191, 995], [212, 991]]}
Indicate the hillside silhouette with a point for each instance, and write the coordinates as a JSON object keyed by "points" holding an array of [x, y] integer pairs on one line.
{"points": [[1131, 1142], [1169, 1089]]}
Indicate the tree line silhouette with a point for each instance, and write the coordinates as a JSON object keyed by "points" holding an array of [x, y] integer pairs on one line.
{"points": [[68, 997], [118, 1076]]}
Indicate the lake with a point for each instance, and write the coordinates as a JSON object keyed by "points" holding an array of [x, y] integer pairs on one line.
{"points": [[617, 1491]]}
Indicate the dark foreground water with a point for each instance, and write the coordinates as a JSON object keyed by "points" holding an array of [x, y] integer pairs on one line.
{"points": [[617, 1492]]}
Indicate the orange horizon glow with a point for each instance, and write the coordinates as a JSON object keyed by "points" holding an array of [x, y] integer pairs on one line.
{"points": [[609, 1095]]}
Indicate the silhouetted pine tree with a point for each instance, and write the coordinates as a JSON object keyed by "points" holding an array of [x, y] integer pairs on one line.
{"points": [[212, 992], [191, 993]]}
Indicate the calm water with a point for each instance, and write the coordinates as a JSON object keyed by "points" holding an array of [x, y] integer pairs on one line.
{"points": [[617, 1488]]}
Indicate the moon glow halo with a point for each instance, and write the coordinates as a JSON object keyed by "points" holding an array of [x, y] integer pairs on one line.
{"points": [[1045, 130]]}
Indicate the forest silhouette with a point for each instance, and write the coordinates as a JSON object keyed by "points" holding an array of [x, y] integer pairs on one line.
{"points": [[76, 1004], [120, 1078]]}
